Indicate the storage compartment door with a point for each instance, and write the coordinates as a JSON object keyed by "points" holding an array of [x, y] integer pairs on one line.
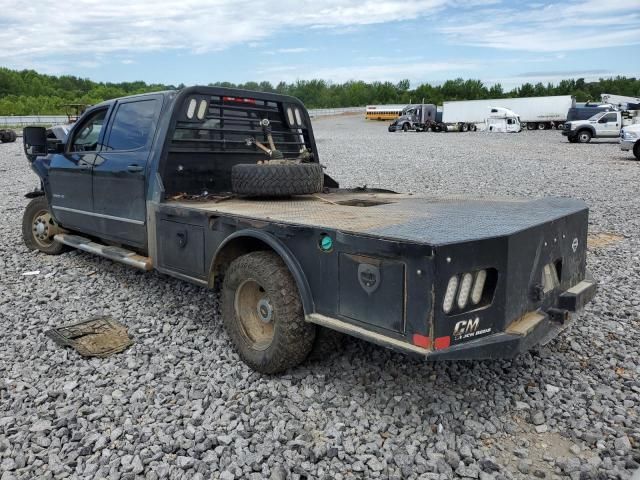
{"points": [[372, 290], [181, 247]]}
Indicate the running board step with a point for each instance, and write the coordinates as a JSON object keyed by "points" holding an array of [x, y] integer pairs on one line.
{"points": [[364, 334], [116, 254]]}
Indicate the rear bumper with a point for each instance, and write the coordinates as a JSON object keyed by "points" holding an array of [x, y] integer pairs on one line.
{"points": [[535, 328]]}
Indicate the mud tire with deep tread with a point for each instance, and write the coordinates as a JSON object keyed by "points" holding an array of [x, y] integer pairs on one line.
{"points": [[293, 337], [276, 180], [34, 208]]}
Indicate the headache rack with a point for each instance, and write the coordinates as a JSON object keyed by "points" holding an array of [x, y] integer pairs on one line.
{"points": [[230, 121], [213, 132]]}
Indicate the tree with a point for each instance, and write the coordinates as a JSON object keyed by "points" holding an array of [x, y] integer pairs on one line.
{"points": [[27, 92]]}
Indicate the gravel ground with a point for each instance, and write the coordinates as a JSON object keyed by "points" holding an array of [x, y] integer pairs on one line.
{"points": [[180, 404]]}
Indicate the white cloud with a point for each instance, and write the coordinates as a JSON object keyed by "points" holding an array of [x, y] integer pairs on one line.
{"points": [[87, 27], [567, 26], [292, 50]]}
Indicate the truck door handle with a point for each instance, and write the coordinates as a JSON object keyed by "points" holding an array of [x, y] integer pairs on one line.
{"points": [[135, 168], [182, 238]]}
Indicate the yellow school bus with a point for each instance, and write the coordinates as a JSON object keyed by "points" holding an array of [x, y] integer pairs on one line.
{"points": [[383, 112]]}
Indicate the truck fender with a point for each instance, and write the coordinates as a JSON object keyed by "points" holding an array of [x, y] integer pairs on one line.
{"points": [[591, 129], [245, 241]]}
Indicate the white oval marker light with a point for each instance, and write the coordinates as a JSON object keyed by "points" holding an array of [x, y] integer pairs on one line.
{"points": [[465, 288], [450, 294], [478, 287], [191, 109]]}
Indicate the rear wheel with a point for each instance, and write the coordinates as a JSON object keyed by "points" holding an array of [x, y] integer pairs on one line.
{"points": [[636, 150], [584, 136], [262, 313], [38, 228], [532, 126], [542, 126], [464, 127]]}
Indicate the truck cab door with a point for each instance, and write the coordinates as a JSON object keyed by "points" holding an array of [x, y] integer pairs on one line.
{"points": [[609, 125], [120, 171], [70, 182]]}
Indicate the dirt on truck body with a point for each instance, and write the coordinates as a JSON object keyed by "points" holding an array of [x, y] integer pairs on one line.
{"points": [[223, 188]]}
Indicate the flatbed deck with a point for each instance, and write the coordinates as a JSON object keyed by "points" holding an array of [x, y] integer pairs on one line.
{"points": [[421, 219]]}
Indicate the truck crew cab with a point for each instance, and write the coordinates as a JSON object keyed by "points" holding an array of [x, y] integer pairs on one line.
{"points": [[600, 125], [223, 188]]}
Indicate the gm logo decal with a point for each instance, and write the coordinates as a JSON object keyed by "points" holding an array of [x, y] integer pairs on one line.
{"points": [[468, 328]]}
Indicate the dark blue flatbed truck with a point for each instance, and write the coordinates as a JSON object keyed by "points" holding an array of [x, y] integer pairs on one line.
{"points": [[223, 188]]}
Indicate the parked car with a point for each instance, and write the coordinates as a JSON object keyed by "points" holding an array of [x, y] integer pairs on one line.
{"points": [[223, 188], [630, 139]]}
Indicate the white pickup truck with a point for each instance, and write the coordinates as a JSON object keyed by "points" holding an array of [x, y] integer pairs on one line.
{"points": [[630, 139], [601, 125]]}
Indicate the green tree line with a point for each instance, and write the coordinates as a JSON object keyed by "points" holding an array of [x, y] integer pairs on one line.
{"points": [[27, 92]]}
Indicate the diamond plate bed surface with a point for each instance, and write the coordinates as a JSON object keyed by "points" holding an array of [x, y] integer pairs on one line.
{"points": [[430, 220]]}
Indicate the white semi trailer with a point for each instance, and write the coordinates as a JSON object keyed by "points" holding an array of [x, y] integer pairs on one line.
{"points": [[535, 112]]}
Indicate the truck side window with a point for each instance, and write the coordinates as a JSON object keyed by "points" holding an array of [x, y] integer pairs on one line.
{"points": [[85, 138], [133, 124], [609, 117]]}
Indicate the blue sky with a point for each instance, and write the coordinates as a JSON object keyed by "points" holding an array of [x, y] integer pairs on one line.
{"points": [[191, 42]]}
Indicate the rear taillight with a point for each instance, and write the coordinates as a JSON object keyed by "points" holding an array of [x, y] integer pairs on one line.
{"points": [[239, 100], [469, 290]]}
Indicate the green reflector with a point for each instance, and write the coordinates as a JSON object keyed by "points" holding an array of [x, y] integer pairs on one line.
{"points": [[326, 243]]}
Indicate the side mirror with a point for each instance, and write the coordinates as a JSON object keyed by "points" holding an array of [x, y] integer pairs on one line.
{"points": [[34, 142]]}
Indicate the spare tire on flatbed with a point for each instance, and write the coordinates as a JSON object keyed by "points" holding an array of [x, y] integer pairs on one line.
{"points": [[276, 179]]}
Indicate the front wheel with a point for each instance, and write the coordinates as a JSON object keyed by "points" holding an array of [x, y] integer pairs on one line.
{"points": [[584, 136], [405, 127], [262, 313], [38, 228]]}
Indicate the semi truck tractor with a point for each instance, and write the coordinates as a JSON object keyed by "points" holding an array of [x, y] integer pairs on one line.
{"points": [[535, 113]]}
